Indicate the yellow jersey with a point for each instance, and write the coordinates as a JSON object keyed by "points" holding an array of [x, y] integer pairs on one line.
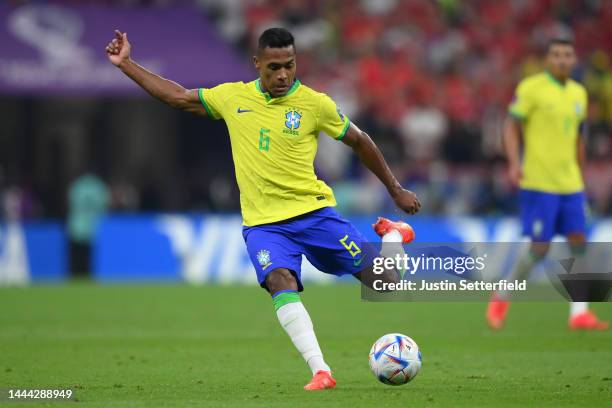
{"points": [[274, 143], [551, 113]]}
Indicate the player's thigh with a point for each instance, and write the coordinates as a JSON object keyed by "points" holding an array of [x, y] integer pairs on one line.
{"points": [[280, 280], [539, 212], [333, 245], [572, 216], [270, 249]]}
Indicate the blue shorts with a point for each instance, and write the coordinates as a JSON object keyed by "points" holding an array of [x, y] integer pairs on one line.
{"points": [[544, 215], [331, 244]]}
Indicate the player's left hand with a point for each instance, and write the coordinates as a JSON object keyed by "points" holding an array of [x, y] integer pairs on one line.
{"points": [[407, 201], [118, 50]]}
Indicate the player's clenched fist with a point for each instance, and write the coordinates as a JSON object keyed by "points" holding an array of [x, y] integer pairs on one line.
{"points": [[118, 50], [407, 201]]}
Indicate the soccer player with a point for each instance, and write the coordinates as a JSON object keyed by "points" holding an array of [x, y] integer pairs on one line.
{"points": [[550, 108], [273, 124]]}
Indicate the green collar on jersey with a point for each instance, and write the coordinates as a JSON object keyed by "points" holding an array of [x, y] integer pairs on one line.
{"points": [[554, 80], [294, 87]]}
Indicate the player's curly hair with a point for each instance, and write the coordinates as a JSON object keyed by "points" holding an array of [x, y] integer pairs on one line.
{"points": [[276, 37]]}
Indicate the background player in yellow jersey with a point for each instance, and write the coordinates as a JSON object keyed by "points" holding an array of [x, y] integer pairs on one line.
{"points": [[274, 123], [550, 108]]}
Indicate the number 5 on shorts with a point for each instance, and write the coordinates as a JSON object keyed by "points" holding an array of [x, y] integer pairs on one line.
{"points": [[351, 247]]}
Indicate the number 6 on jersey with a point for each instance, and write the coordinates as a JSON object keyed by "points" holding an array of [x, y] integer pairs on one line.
{"points": [[264, 140]]}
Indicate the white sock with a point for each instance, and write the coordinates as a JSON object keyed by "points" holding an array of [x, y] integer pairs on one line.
{"points": [[521, 270], [578, 307], [296, 321], [393, 236], [392, 246]]}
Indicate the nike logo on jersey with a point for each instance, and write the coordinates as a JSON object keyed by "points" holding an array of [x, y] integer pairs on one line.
{"points": [[358, 262], [243, 110]]}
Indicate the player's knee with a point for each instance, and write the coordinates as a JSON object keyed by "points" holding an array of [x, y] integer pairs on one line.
{"points": [[539, 249], [577, 239], [577, 243], [280, 279], [367, 277]]}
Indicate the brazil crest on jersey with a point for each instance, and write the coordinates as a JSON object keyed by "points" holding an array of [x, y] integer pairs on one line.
{"points": [[551, 113], [274, 142]]}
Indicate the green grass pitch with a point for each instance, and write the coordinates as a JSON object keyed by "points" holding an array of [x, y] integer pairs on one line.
{"points": [[179, 346]]}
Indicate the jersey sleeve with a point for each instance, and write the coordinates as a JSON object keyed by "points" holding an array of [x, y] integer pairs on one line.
{"points": [[523, 102], [331, 120], [213, 100]]}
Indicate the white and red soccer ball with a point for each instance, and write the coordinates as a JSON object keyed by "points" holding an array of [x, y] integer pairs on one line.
{"points": [[395, 359]]}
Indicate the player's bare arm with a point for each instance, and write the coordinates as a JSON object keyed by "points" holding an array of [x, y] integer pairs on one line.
{"points": [[372, 158], [169, 92], [512, 146], [581, 148]]}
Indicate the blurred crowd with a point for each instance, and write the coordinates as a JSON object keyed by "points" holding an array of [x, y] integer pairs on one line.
{"points": [[430, 81]]}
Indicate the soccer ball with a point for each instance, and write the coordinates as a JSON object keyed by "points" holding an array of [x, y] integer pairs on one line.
{"points": [[395, 359]]}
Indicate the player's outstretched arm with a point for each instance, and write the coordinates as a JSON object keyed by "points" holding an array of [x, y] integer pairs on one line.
{"points": [[512, 146], [169, 92], [372, 158]]}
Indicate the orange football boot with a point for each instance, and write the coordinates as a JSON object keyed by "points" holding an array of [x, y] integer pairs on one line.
{"points": [[322, 380], [496, 312], [587, 321], [384, 226]]}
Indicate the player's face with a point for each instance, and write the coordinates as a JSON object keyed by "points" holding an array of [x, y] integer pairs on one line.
{"points": [[276, 68], [560, 60]]}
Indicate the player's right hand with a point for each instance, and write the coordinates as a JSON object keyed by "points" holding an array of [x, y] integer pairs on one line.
{"points": [[407, 201], [118, 50], [515, 174]]}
